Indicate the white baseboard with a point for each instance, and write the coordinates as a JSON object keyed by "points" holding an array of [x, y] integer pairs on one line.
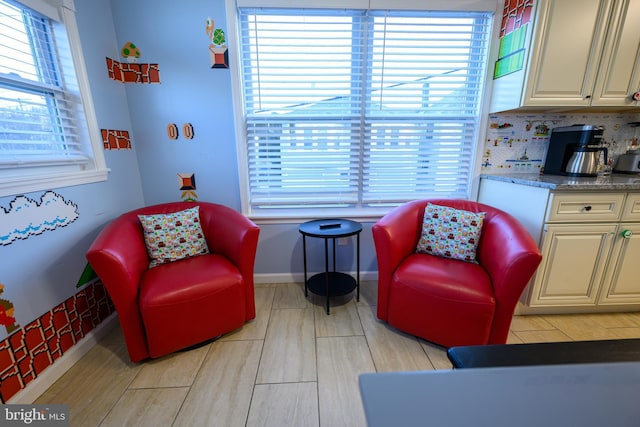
{"points": [[50, 375], [299, 277]]}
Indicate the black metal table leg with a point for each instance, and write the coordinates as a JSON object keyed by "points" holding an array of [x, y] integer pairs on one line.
{"points": [[304, 257], [326, 270], [358, 267]]}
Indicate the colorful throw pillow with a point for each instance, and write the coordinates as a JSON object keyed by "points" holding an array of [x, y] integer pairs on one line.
{"points": [[450, 233], [174, 236]]}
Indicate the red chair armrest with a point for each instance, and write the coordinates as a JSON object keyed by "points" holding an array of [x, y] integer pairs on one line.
{"points": [[396, 236], [233, 235], [119, 257]]}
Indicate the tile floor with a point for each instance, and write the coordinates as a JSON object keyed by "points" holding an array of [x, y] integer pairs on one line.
{"points": [[291, 366]]}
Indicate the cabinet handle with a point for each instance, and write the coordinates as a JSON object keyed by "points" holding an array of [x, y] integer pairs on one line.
{"points": [[626, 234], [587, 208]]}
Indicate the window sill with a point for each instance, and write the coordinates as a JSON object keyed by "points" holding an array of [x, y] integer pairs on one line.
{"points": [[26, 184], [293, 217]]}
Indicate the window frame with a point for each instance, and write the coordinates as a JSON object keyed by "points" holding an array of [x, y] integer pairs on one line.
{"points": [[359, 213], [21, 179]]}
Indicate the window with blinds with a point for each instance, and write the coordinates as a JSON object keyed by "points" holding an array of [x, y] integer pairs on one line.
{"points": [[359, 109], [43, 128]]}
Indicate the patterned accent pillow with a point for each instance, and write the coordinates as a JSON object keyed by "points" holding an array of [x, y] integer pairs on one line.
{"points": [[450, 233], [174, 236]]}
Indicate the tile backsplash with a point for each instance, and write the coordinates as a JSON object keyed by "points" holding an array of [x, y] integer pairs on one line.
{"points": [[517, 143]]}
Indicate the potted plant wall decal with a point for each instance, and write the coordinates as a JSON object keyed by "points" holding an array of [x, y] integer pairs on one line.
{"points": [[218, 47]]}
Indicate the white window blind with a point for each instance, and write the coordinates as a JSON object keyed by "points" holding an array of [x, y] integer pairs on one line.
{"points": [[359, 109], [43, 127]]}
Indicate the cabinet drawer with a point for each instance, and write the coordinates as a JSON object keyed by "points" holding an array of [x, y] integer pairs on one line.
{"points": [[585, 207], [631, 211]]}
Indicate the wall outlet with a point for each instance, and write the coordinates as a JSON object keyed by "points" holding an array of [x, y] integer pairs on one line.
{"points": [[343, 241]]}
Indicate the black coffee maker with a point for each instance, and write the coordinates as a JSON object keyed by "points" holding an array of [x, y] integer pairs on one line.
{"points": [[568, 145]]}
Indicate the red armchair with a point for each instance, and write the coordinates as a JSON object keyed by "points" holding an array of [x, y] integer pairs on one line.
{"points": [[182, 303], [446, 301]]}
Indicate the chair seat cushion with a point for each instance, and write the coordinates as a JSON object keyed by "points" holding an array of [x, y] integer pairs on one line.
{"points": [[207, 293], [445, 301]]}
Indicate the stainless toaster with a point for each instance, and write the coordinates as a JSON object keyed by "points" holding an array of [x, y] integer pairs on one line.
{"points": [[628, 162]]}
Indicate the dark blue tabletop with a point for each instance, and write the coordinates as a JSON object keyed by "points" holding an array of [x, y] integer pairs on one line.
{"points": [[330, 228]]}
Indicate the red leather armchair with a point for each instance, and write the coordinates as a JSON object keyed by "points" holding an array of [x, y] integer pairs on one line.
{"points": [[181, 303], [446, 301]]}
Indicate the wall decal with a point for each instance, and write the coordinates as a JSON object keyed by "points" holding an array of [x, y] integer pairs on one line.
{"points": [[133, 73], [130, 52], [115, 139], [26, 217], [172, 131], [218, 53], [187, 131], [87, 276], [7, 318], [33, 348], [187, 183], [511, 53]]}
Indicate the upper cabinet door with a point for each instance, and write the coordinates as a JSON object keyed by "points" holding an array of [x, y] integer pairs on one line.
{"points": [[619, 72], [568, 41]]}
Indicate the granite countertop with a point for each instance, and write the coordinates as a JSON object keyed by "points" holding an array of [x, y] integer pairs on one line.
{"points": [[623, 182]]}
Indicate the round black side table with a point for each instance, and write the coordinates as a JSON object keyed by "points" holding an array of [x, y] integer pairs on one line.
{"points": [[331, 283]]}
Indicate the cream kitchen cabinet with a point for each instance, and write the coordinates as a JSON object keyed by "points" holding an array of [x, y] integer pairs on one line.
{"points": [[590, 245], [573, 264], [622, 278], [581, 53]]}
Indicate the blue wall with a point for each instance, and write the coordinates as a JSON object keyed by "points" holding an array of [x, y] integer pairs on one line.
{"points": [[173, 35], [40, 272]]}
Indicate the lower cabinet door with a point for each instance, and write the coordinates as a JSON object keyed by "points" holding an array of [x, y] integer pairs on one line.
{"points": [[622, 278], [574, 258]]}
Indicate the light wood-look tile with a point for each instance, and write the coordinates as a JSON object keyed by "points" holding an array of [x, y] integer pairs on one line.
{"points": [[530, 323], [542, 336], [340, 361], [391, 349], [342, 322], [614, 320], [289, 348], [512, 338], [95, 383], [284, 345], [296, 405], [437, 355], [579, 327], [222, 390], [255, 329], [625, 333], [151, 407], [368, 293], [175, 370], [290, 296]]}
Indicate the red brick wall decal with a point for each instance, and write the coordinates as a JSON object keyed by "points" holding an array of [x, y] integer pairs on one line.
{"points": [[28, 351], [116, 139], [133, 72], [516, 13]]}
